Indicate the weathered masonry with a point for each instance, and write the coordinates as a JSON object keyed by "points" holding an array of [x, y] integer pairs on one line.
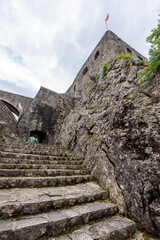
{"points": [[106, 126]]}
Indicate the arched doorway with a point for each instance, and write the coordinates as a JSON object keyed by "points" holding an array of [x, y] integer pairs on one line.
{"points": [[13, 110], [39, 135]]}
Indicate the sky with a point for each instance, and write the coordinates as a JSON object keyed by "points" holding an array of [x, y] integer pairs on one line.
{"points": [[46, 42]]}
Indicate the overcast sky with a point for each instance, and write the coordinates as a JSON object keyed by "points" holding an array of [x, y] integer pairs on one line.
{"points": [[45, 42]]}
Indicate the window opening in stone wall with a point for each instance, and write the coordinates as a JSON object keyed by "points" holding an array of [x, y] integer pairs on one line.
{"points": [[38, 135], [96, 55], [140, 58], [129, 50], [74, 88], [85, 70]]}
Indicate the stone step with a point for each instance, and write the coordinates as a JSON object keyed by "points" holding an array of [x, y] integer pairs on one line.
{"points": [[39, 161], [33, 182], [40, 172], [113, 228], [40, 166], [35, 151], [27, 145], [15, 202], [54, 222], [35, 156], [38, 148]]}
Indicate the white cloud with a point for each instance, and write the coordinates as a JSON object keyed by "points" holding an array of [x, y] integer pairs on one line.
{"points": [[45, 42]]}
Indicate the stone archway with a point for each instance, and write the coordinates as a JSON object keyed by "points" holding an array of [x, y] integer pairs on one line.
{"points": [[11, 108], [39, 135]]}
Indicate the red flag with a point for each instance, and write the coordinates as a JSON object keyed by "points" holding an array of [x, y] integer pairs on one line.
{"points": [[107, 17]]}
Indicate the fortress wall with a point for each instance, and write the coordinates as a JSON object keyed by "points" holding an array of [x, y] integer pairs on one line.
{"points": [[46, 114], [22, 104]]}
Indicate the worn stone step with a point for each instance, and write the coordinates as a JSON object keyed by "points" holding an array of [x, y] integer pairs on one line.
{"points": [[27, 145], [32, 146], [39, 166], [54, 222], [35, 151], [33, 182], [35, 156], [15, 202], [113, 228], [41, 150], [38, 161], [40, 172]]}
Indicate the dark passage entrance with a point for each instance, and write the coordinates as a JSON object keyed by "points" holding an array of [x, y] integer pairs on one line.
{"points": [[39, 135]]}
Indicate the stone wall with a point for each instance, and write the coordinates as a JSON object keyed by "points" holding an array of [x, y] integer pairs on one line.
{"points": [[44, 113], [115, 127], [21, 103], [111, 120], [47, 113]]}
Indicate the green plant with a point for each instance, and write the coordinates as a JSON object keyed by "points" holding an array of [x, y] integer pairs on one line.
{"points": [[106, 86], [124, 56], [90, 107], [154, 54], [97, 77], [88, 119], [105, 68], [106, 95], [140, 74], [142, 61], [148, 236], [79, 117], [67, 150], [153, 65], [143, 109], [88, 91], [74, 110], [89, 136]]}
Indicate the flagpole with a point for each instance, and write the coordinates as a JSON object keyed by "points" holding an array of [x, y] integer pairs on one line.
{"points": [[106, 25]]}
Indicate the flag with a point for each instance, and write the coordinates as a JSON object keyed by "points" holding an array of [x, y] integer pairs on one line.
{"points": [[107, 17]]}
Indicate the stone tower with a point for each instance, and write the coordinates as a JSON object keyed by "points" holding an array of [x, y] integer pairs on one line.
{"points": [[108, 48]]}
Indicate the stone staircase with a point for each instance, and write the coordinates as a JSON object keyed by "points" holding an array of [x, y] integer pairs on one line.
{"points": [[45, 194]]}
